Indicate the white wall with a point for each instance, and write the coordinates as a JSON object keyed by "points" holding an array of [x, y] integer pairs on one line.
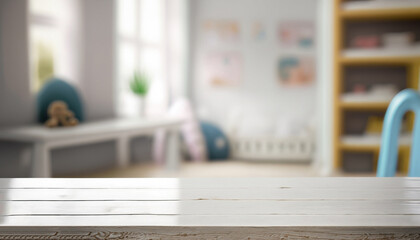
{"points": [[16, 100], [259, 89], [98, 58]]}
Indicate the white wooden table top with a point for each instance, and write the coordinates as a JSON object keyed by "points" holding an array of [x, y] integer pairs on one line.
{"points": [[205, 202], [111, 126]]}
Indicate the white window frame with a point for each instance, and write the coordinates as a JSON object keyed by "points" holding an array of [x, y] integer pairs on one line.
{"points": [[140, 45]]}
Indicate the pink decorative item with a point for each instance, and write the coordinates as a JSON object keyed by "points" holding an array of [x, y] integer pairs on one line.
{"points": [[359, 88], [190, 130], [371, 41]]}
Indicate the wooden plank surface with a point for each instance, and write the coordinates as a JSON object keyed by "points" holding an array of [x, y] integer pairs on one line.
{"points": [[238, 202], [203, 183], [207, 194], [221, 208]]}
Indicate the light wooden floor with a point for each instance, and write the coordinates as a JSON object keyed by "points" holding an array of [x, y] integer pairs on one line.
{"points": [[231, 168]]}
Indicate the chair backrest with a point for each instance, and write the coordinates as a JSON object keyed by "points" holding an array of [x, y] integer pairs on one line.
{"points": [[54, 90], [404, 101]]}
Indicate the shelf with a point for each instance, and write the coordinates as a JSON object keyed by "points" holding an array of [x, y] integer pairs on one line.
{"points": [[364, 105], [365, 101], [380, 5], [369, 142], [381, 9], [402, 55], [375, 60], [382, 14], [405, 52], [352, 18]]}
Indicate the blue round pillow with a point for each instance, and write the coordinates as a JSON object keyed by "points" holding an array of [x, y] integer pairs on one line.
{"points": [[54, 90], [216, 141]]}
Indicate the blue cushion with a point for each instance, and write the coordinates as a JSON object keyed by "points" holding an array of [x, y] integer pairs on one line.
{"points": [[54, 90], [216, 141]]}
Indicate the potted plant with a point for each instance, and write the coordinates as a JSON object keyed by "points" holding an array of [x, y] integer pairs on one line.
{"points": [[139, 85]]}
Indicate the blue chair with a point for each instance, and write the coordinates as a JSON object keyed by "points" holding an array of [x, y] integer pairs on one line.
{"points": [[404, 101], [54, 90]]}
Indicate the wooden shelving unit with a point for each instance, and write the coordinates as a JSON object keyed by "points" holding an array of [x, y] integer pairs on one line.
{"points": [[346, 11], [374, 60], [379, 10], [381, 13], [364, 105]]}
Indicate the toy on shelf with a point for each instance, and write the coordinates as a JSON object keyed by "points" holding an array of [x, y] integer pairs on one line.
{"points": [[398, 40], [359, 88], [377, 93], [386, 44], [60, 115], [369, 41], [374, 125]]}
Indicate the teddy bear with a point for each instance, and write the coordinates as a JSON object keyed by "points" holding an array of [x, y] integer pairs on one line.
{"points": [[60, 115]]}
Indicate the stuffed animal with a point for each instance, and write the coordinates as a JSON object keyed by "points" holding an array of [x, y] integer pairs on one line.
{"points": [[60, 115]]}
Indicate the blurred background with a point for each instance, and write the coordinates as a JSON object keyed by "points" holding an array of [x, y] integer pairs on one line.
{"points": [[268, 88]]}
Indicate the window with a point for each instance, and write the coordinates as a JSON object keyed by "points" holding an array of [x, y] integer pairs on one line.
{"points": [[53, 33], [43, 33], [141, 46]]}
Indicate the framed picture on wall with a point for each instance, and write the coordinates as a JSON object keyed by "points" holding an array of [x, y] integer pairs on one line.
{"points": [[296, 34], [296, 70], [219, 32], [223, 69], [258, 32]]}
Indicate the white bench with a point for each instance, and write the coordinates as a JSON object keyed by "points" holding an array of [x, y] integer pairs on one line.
{"points": [[238, 208], [45, 139]]}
